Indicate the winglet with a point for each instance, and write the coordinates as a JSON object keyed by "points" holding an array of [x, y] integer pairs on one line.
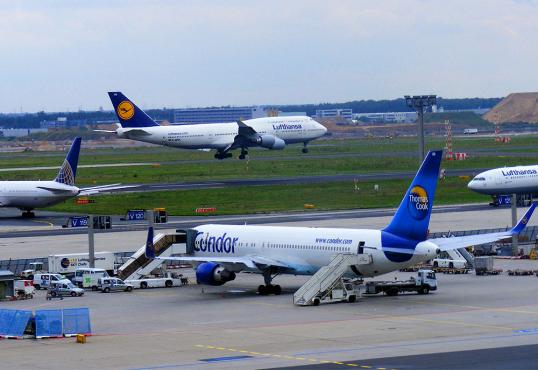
{"points": [[68, 171], [524, 220], [150, 248]]}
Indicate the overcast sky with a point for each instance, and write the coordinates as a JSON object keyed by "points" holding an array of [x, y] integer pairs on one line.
{"points": [[66, 54]]}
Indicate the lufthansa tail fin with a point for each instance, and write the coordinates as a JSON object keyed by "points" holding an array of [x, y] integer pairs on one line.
{"points": [[412, 218], [68, 171], [150, 248], [128, 113]]}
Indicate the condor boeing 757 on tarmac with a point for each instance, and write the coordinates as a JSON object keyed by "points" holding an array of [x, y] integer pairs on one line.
{"points": [[28, 195], [267, 132], [220, 251]]}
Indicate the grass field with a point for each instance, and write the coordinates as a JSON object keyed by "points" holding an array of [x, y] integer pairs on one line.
{"points": [[333, 157], [261, 199]]}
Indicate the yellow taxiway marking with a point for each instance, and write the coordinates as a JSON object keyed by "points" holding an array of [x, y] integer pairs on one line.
{"points": [[296, 358], [44, 222]]}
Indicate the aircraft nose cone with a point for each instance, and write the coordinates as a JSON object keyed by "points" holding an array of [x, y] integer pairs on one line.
{"points": [[471, 185]]}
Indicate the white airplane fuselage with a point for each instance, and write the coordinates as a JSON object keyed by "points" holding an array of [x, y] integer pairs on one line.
{"points": [[221, 135], [304, 249], [34, 194], [507, 180]]}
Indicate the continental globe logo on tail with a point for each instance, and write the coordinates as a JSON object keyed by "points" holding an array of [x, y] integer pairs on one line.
{"points": [[418, 202], [125, 110]]}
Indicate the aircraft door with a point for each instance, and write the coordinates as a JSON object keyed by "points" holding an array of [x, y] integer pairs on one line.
{"points": [[360, 247]]}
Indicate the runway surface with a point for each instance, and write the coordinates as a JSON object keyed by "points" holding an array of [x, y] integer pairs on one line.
{"points": [[513, 358]]}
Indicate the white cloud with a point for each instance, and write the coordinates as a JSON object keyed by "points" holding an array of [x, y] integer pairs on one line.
{"points": [[67, 54]]}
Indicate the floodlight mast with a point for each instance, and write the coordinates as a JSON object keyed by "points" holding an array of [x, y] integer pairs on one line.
{"points": [[420, 103]]}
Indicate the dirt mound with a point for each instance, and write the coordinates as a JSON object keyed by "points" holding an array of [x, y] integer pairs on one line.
{"points": [[517, 107]]}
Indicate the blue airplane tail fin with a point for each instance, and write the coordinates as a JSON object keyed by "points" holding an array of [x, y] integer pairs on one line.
{"points": [[411, 220], [68, 171], [150, 248], [128, 113]]}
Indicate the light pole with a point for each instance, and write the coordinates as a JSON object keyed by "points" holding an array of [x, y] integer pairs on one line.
{"points": [[420, 103]]}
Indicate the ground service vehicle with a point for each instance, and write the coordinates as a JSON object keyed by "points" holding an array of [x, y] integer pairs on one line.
{"points": [[451, 259], [69, 263], [24, 288], [343, 292], [423, 284], [34, 267], [113, 284], [87, 277], [167, 281], [46, 280], [65, 289]]}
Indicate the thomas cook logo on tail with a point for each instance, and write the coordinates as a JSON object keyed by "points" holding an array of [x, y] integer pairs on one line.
{"points": [[125, 110], [418, 202]]}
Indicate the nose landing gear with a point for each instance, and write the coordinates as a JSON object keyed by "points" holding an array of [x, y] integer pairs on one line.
{"points": [[305, 148]]}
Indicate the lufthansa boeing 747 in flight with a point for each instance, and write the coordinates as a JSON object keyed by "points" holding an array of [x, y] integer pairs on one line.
{"points": [[28, 195], [268, 132], [220, 251]]}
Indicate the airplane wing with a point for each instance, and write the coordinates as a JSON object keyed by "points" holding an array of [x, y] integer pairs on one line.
{"points": [[55, 190], [457, 242], [104, 189], [107, 131], [245, 130], [254, 262]]}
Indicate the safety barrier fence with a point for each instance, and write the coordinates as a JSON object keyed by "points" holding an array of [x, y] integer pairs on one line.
{"points": [[54, 323]]}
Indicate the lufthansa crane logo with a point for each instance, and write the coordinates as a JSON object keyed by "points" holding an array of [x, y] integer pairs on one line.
{"points": [[419, 202], [125, 110]]}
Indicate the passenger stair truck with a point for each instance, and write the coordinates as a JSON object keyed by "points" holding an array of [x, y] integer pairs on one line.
{"points": [[328, 285], [139, 266]]}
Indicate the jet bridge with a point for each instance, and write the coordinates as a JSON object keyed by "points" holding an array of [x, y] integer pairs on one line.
{"points": [[165, 245], [328, 278]]}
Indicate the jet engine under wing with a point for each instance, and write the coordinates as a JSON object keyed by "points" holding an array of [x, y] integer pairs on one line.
{"points": [[457, 242], [247, 136], [104, 188]]}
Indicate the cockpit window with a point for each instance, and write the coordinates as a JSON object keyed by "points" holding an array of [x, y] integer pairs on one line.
{"points": [[480, 179]]}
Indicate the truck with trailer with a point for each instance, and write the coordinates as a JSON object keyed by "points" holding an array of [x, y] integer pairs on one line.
{"points": [[424, 283], [67, 264], [167, 280]]}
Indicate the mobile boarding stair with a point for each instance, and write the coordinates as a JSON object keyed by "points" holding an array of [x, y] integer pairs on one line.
{"points": [[329, 279], [139, 265]]}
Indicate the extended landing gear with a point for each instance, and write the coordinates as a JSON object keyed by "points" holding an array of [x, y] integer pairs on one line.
{"points": [[221, 156], [305, 149], [243, 154], [28, 214], [268, 288]]}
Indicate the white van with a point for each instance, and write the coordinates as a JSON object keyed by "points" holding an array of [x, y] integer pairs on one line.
{"points": [[45, 280], [86, 277]]}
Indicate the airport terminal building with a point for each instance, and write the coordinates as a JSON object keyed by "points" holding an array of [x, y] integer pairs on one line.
{"points": [[219, 114]]}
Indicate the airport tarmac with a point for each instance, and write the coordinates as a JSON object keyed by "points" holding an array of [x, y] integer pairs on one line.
{"points": [[45, 240], [230, 327]]}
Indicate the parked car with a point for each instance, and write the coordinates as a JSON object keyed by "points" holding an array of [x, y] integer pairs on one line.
{"points": [[65, 289], [112, 284]]}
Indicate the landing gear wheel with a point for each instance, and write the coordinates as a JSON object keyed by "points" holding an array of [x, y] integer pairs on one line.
{"points": [[241, 156], [305, 150], [276, 289], [262, 290], [28, 214]]}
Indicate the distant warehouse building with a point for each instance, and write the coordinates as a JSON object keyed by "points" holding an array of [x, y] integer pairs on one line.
{"points": [[216, 115], [399, 117], [333, 113]]}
